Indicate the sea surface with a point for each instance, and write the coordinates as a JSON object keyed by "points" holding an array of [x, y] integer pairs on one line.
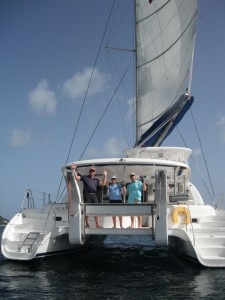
{"points": [[121, 267]]}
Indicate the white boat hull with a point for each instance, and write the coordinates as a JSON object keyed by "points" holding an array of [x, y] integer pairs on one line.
{"points": [[36, 233], [177, 218], [203, 240]]}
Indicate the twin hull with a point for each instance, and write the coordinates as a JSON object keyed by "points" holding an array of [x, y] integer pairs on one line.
{"points": [[29, 236], [172, 209]]}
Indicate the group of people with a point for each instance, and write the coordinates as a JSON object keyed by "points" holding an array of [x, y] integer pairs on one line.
{"points": [[90, 184]]}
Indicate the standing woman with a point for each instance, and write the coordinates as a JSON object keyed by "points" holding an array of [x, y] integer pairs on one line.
{"points": [[114, 190]]}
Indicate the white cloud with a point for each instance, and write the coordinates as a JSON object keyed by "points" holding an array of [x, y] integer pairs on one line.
{"points": [[131, 108], [196, 153], [42, 100], [112, 148], [20, 138], [76, 86], [220, 121]]}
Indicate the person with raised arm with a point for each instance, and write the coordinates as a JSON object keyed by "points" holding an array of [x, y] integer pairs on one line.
{"points": [[90, 184]]}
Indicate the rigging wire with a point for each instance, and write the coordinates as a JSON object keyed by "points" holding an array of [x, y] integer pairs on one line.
{"points": [[203, 154], [120, 110], [114, 29], [119, 104], [104, 112], [85, 96], [195, 164]]}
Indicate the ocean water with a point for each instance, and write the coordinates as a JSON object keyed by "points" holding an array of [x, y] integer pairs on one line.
{"points": [[121, 267]]}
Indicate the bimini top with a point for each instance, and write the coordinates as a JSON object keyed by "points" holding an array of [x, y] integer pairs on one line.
{"points": [[141, 161], [177, 154]]}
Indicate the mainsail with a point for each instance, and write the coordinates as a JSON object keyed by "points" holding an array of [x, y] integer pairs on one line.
{"points": [[165, 36]]}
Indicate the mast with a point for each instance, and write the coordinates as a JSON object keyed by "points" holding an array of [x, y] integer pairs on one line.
{"points": [[135, 53]]}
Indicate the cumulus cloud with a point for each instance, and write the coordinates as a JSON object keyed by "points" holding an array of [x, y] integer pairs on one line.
{"points": [[76, 86], [112, 148], [42, 100], [20, 138]]}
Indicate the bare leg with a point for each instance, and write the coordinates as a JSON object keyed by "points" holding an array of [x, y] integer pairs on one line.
{"points": [[140, 222], [114, 221], [121, 222], [132, 222], [97, 222]]}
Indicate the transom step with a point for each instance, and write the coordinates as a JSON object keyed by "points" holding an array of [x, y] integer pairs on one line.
{"points": [[119, 231], [122, 209]]}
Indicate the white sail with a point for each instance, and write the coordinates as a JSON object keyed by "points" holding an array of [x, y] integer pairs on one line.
{"points": [[165, 35]]}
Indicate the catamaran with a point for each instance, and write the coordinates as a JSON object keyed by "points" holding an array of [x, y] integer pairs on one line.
{"points": [[174, 213]]}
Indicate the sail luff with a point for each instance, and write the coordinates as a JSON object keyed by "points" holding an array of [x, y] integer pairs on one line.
{"points": [[191, 68], [165, 34]]}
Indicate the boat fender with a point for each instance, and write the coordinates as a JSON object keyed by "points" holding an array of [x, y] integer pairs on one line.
{"points": [[182, 210]]}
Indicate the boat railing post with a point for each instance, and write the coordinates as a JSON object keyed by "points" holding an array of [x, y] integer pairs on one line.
{"points": [[174, 188], [49, 198], [161, 226], [144, 195], [30, 199], [26, 196], [124, 198], [221, 201], [43, 199], [153, 225], [124, 194]]}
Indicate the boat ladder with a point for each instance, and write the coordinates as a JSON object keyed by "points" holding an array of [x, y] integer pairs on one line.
{"points": [[30, 240]]}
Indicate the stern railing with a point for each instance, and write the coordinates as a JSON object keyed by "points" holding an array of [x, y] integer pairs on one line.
{"points": [[35, 199]]}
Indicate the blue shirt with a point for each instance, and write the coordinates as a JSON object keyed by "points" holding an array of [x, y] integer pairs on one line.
{"points": [[115, 192], [134, 190]]}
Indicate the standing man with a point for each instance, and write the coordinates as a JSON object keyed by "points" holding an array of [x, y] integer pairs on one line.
{"points": [[90, 188], [134, 190]]}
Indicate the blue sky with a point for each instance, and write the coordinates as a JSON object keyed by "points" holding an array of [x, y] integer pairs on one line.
{"points": [[48, 49]]}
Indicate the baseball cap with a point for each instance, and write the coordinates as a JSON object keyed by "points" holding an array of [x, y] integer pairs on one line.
{"points": [[132, 174], [113, 177], [92, 169]]}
